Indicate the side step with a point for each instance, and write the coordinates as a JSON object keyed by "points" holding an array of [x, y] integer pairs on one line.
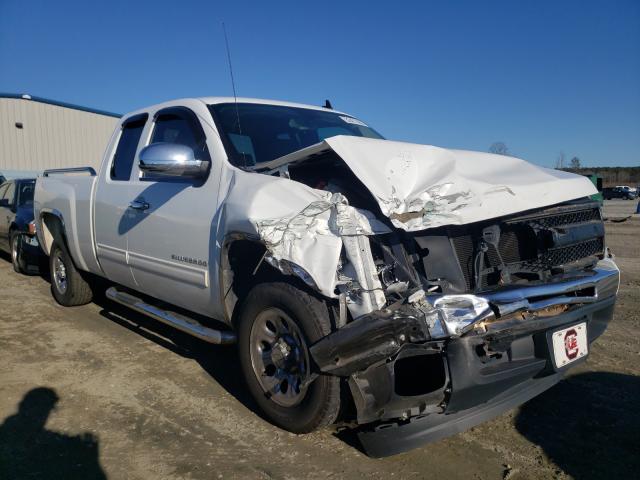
{"points": [[180, 322]]}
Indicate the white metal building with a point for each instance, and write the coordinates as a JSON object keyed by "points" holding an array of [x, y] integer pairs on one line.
{"points": [[37, 134]]}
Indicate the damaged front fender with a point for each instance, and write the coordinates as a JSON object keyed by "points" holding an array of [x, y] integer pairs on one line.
{"points": [[304, 231]]}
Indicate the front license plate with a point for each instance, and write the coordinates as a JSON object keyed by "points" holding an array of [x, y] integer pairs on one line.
{"points": [[570, 344]]}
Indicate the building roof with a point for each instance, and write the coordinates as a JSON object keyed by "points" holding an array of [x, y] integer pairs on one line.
{"points": [[58, 104]]}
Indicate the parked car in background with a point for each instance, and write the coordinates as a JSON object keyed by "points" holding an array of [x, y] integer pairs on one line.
{"points": [[617, 192], [628, 189], [2, 179], [17, 228]]}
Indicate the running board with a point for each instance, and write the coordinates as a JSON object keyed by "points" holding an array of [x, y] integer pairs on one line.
{"points": [[175, 320]]}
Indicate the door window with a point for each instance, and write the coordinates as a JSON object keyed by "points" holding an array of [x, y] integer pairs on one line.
{"points": [[127, 146], [9, 194], [179, 125]]}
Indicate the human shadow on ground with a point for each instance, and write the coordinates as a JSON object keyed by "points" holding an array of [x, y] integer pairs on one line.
{"points": [[588, 425], [29, 450]]}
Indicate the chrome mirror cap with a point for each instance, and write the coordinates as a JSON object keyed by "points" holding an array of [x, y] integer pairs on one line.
{"points": [[171, 159]]}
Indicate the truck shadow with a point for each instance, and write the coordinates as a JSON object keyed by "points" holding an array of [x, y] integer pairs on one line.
{"points": [[219, 362], [588, 425]]}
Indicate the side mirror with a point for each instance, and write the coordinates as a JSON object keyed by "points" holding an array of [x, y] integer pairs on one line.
{"points": [[171, 159]]}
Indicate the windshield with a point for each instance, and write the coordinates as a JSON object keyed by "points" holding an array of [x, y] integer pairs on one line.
{"points": [[267, 132]]}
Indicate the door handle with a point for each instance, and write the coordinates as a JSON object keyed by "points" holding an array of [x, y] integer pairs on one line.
{"points": [[139, 204]]}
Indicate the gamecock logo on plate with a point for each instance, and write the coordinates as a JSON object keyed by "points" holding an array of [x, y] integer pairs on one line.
{"points": [[571, 344]]}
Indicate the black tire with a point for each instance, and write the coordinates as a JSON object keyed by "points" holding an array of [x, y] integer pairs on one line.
{"points": [[68, 286], [320, 402], [17, 254]]}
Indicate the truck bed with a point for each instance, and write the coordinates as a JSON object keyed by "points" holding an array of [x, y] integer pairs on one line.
{"points": [[67, 194]]}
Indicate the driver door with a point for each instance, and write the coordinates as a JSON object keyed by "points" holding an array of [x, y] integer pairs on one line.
{"points": [[171, 242]]}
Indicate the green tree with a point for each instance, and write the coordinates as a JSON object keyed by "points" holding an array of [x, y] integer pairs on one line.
{"points": [[575, 163], [499, 148]]}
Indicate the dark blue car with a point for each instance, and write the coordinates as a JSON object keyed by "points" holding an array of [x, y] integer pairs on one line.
{"points": [[17, 229]]}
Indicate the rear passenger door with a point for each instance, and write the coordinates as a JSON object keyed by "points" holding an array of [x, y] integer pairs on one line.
{"points": [[112, 215]]}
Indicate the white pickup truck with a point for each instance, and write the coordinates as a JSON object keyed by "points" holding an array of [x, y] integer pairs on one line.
{"points": [[430, 288]]}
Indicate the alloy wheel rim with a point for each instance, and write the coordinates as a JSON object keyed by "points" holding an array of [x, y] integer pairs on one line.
{"points": [[279, 357], [59, 274]]}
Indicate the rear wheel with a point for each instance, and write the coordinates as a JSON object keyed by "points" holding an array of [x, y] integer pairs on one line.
{"points": [[277, 324], [17, 255], [67, 285]]}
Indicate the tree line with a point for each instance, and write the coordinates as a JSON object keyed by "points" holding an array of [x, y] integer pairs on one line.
{"points": [[611, 176]]}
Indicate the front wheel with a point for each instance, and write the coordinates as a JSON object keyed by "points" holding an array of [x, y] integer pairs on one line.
{"points": [[277, 324], [67, 285]]}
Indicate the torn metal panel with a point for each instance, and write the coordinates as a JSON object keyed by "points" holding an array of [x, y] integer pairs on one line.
{"points": [[304, 241], [422, 186], [304, 231], [365, 293], [368, 340]]}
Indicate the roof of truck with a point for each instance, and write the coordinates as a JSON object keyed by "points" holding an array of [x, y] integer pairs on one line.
{"points": [[216, 100], [213, 100]]}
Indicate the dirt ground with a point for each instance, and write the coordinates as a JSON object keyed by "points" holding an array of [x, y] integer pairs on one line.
{"points": [[99, 392]]}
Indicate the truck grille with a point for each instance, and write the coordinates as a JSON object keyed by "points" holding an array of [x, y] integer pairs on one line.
{"points": [[527, 248]]}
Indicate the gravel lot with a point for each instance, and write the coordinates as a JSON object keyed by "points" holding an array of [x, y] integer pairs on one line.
{"points": [[100, 392]]}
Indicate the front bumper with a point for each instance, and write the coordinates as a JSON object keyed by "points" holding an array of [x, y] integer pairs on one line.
{"points": [[410, 390], [480, 392]]}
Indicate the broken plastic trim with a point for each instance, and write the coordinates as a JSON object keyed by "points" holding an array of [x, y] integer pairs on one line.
{"points": [[370, 338]]}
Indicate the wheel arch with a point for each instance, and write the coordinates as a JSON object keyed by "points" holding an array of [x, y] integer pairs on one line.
{"points": [[242, 266], [52, 228], [236, 276]]}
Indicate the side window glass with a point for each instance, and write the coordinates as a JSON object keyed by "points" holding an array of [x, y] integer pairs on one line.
{"points": [[179, 128], [126, 149], [9, 194], [3, 190]]}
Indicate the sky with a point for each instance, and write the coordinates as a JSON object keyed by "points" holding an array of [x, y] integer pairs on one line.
{"points": [[543, 77]]}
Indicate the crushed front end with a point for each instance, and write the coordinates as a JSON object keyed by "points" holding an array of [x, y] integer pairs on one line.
{"points": [[461, 323]]}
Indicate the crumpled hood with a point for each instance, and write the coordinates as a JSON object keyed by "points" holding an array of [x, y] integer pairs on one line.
{"points": [[422, 186]]}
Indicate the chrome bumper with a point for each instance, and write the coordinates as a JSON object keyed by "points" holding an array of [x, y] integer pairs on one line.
{"points": [[586, 287], [455, 315]]}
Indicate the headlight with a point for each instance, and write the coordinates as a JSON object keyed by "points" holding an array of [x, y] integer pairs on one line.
{"points": [[457, 314]]}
